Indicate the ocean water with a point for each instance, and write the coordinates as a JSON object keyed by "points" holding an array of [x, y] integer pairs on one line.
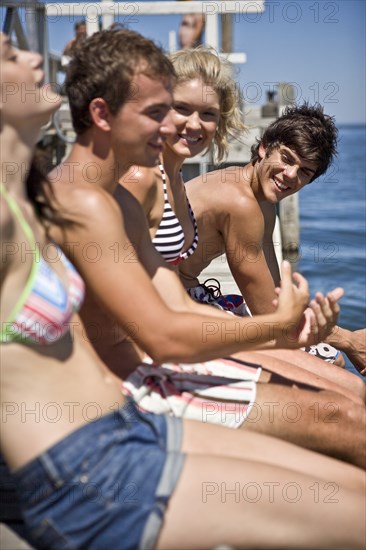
{"points": [[333, 228]]}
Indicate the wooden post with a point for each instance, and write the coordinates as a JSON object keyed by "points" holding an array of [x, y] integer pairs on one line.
{"points": [[226, 32], [289, 220]]}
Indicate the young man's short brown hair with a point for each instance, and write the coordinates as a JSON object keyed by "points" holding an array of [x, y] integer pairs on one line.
{"points": [[104, 66]]}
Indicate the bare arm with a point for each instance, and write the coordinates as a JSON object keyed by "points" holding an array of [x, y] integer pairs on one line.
{"points": [[162, 274], [269, 215], [69, 47], [143, 184], [168, 284], [352, 343], [124, 290], [248, 254]]}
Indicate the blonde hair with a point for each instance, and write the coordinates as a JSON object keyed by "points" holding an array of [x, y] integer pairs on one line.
{"points": [[203, 62]]}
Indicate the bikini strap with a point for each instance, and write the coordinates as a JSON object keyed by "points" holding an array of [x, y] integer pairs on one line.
{"points": [[163, 177], [14, 207]]}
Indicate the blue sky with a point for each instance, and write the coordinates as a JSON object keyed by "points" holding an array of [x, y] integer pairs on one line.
{"points": [[319, 46]]}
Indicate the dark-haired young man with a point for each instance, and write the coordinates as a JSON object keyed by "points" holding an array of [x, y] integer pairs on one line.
{"points": [[235, 213]]}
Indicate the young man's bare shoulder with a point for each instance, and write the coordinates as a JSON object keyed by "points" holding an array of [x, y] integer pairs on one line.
{"points": [[216, 177], [231, 190], [143, 183], [139, 175], [82, 199], [132, 212], [130, 207], [234, 207], [128, 203], [232, 181]]}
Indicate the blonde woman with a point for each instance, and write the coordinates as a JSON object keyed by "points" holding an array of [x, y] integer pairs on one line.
{"points": [[205, 113]]}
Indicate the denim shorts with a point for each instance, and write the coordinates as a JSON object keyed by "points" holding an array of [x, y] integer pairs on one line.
{"points": [[106, 485]]}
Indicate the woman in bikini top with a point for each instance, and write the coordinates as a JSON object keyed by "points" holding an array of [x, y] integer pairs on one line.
{"points": [[41, 291], [44, 309], [205, 112]]}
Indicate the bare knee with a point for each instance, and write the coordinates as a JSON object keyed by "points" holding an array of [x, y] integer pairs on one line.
{"points": [[360, 388], [332, 408], [355, 416]]}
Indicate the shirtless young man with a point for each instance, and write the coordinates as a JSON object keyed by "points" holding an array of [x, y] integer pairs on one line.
{"points": [[235, 212], [121, 302]]}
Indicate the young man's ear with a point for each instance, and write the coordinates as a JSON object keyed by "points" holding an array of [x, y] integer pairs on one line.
{"points": [[100, 114], [262, 151]]}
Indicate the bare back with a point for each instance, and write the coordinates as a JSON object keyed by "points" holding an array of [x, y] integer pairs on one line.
{"points": [[82, 203], [232, 221]]}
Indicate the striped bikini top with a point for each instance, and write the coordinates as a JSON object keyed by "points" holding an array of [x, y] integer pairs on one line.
{"points": [[44, 309], [169, 239]]}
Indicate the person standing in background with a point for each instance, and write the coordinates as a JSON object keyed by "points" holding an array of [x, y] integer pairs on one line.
{"points": [[80, 35]]}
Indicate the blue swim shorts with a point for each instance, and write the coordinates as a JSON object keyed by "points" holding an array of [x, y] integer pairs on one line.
{"points": [[106, 485]]}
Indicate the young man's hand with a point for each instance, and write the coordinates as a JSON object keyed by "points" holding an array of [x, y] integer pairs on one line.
{"points": [[325, 310], [305, 325], [293, 295]]}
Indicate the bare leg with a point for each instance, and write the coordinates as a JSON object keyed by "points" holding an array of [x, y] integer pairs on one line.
{"points": [[343, 378], [303, 370], [322, 421], [213, 440], [248, 505]]}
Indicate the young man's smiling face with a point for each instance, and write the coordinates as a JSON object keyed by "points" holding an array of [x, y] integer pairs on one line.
{"points": [[141, 126], [282, 173]]}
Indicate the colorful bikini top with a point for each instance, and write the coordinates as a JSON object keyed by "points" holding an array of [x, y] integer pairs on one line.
{"points": [[46, 305], [169, 239]]}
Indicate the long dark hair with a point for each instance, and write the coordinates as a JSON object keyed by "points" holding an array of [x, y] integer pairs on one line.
{"points": [[40, 192]]}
